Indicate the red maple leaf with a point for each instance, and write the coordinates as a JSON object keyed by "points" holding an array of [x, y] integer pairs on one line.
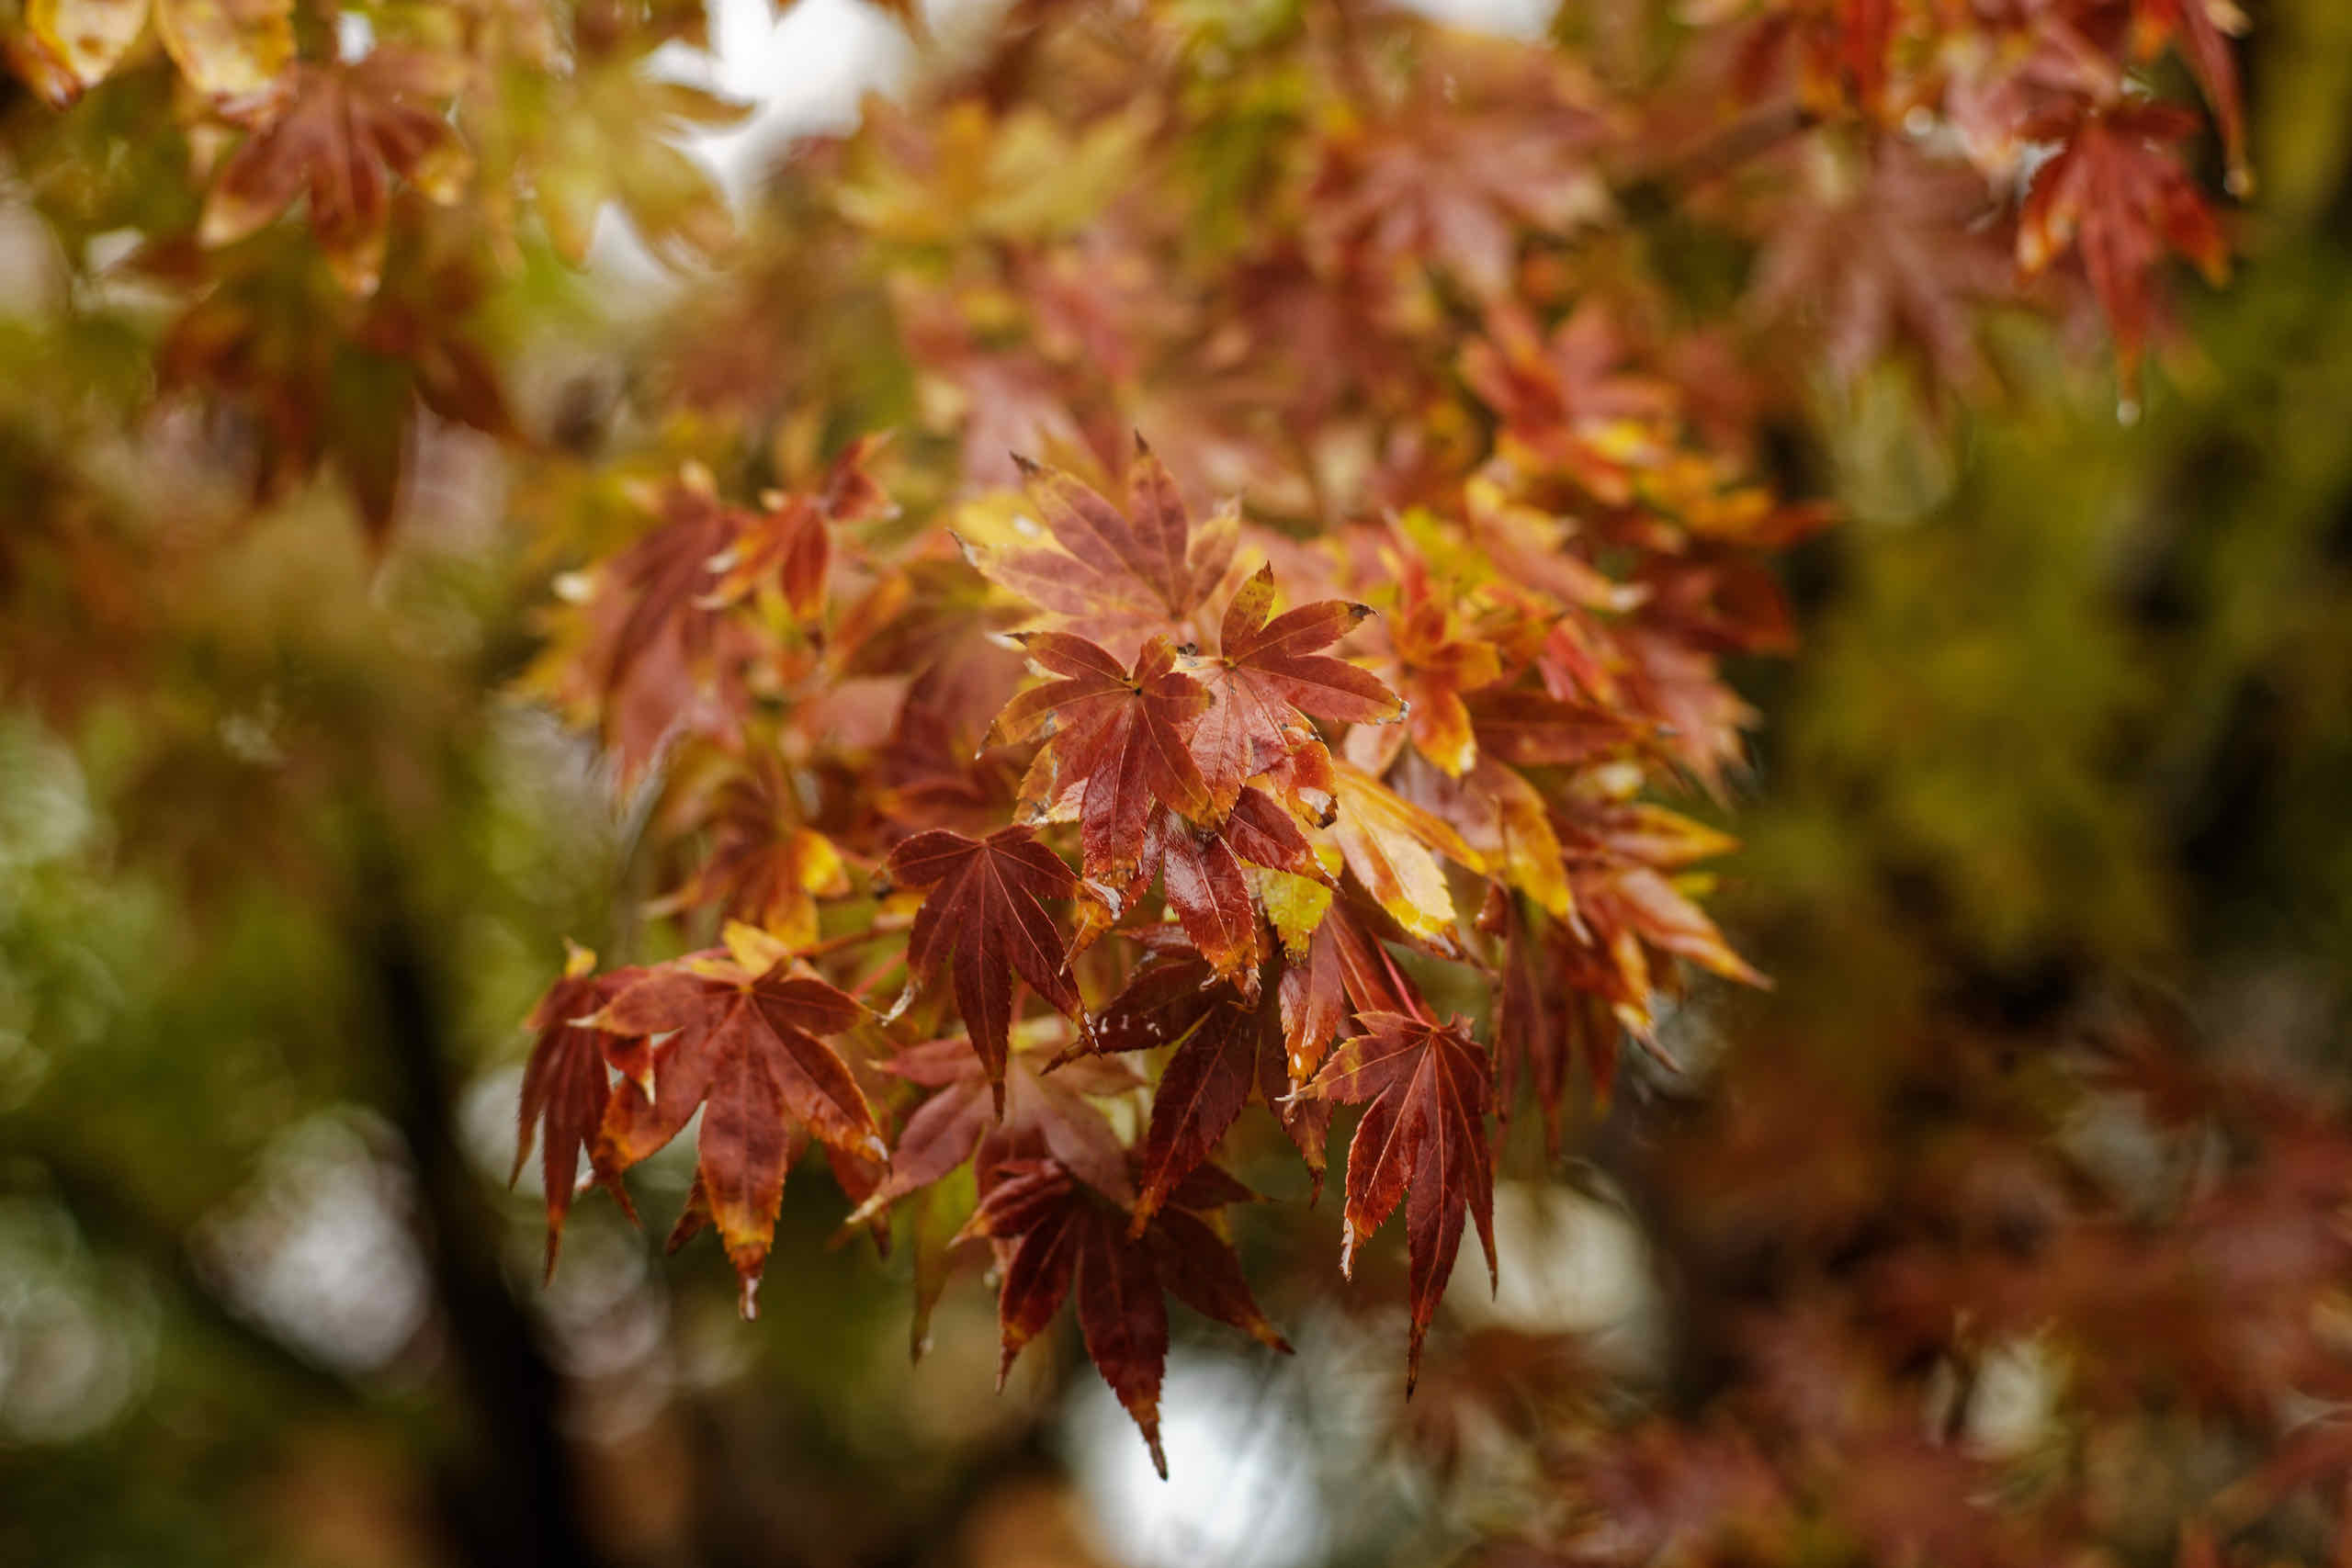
{"points": [[1269, 674], [1901, 257], [1203, 876], [349, 132], [1205, 886], [987, 908], [1122, 736], [766, 865], [1052, 1231], [567, 1081], [1228, 1052], [1569, 400], [789, 545], [1116, 577], [2117, 195], [1426, 1090], [1045, 1114], [1343, 968], [658, 655], [2198, 25], [744, 1048], [1551, 1012]]}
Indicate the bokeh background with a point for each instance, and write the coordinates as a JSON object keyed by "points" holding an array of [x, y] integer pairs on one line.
{"points": [[2063, 767]]}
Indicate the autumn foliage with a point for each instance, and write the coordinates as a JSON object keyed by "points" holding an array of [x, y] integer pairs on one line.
{"points": [[1264, 645]]}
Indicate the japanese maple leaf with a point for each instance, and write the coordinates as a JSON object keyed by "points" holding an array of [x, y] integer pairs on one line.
{"points": [[745, 1049], [2201, 29], [659, 656], [1053, 1232], [1269, 675], [1455, 183], [789, 545], [765, 866], [1548, 1017], [1439, 658], [1114, 577], [1204, 875], [1343, 968], [1392, 845], [1121, 736], [1228, 1052], [1046, 1114], [566, 1083], [1567, 400], [1696, 717], [1901, 257], [2118, 195], [1836, 50], [1639, 900], [248, 342], [1529, 1038], [986, 908], [349, 132], [1503, 819], [1205, 886], [1426, 1090], [1533, 729]]}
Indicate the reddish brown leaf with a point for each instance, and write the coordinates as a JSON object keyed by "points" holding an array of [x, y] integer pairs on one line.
{"points": [[2193, 25], [1569, 400], [1505, 821], [1119, 739], [1115, 577], [789, 546], [765, 866], [1045, 1114], [1052, 1231], [1205, 887], [1225, 1044], [1261, 831], [744, 1049], [1426, 1090], [1343, 969], [986, 908], [1269, 675], [2118, 195], [1903, 257], [1535, 730], [348, 132], [1550, 1013], [660, 654], [566, 1083], [1639, 900]]}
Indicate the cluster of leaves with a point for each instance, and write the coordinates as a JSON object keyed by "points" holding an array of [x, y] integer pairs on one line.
{"points": [[1240, 893], [2043, 98], [1099, 781], [327, 199], [1277, 786]]}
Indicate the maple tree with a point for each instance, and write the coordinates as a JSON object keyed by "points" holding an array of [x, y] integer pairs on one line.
{"points": [[1317, 513]]}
